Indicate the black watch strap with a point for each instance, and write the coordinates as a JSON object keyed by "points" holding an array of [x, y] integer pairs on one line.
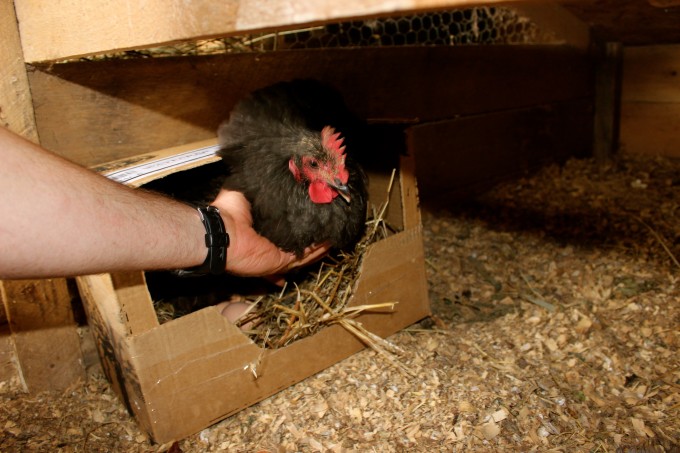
{"points": [[217, 241]]}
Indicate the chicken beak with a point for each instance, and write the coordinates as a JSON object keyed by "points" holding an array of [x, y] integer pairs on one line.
{"points": [[342, 190]]}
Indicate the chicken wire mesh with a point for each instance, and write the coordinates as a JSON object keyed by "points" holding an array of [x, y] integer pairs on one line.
{"points": [[472, 26], [462, 27]]}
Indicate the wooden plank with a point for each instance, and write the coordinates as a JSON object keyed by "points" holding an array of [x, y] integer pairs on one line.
{"points": [[131, 289], [8, 365], [607, 99], [651, 128], [34, 332], [651, 74], [631, 22], [664, 3], [650, 110], [44, 332], [16, 107], [559, 22], [117, 109], [63, 29], [463, 156], [16, 113]]}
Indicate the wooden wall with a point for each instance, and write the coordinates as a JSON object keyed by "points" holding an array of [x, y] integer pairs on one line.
{"points": [[93, 112], [650, 100]]}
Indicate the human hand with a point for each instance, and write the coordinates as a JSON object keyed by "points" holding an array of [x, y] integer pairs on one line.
{"points": [[250, 254]]}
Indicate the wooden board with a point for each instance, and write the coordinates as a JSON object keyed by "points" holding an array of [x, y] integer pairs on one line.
{"points": [[631, 22], [558, 21], [37, 344], [651, 128], [44, 332], [16, 108], [664, 3], [116, 109], [651, 74], [8, 365], [16, 114], [607, 99], [63, 29], [463, 156], [650, 110]]}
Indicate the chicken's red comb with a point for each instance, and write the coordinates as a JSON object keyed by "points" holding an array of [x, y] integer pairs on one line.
{"points": [[332, 140]]}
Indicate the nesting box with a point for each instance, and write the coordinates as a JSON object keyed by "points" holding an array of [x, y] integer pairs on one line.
{"points": [[186, 374]]}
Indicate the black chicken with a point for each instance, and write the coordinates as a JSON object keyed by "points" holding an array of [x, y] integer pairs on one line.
{"points": [[287, 149]]}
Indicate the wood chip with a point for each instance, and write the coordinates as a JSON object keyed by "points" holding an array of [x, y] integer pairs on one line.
{"points": [[597, 373]]}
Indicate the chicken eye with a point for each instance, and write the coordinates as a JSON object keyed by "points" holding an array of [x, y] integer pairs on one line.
{"points": [[313, 164]]}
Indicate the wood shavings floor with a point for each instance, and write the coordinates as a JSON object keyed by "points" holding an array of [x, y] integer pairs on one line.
{"points": [[556, 328]]}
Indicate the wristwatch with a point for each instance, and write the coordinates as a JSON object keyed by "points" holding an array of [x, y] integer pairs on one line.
{"points": [[217, 241]]}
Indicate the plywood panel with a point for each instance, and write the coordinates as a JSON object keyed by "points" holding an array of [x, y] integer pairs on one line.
{"points": [[69, 28], [115, 109]]}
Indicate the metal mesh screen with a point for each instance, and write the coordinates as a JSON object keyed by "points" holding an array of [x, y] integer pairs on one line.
{"points": [[473, 26], [461, 27]]}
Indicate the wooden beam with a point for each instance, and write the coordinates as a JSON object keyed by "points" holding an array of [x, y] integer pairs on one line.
{"points": [[552, 18], [16, 106], [61, 29], [118, 109], [38, 341], [16, 114], [609, 57]]}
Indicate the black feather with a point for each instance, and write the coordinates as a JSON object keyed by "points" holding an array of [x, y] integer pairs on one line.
{"points": [[261, 135]]}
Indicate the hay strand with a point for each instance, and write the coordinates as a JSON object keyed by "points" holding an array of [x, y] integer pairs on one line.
{"points": [[320, 298]]}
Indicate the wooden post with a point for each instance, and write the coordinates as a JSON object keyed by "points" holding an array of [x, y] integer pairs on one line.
{"points": [[39, 343], [609, 57]]}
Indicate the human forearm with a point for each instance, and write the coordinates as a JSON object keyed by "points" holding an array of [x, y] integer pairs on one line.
{"points": [[61, 219]]}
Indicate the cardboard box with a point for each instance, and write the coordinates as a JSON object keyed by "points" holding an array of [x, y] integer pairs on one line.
{"points": [[184, 375]]}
